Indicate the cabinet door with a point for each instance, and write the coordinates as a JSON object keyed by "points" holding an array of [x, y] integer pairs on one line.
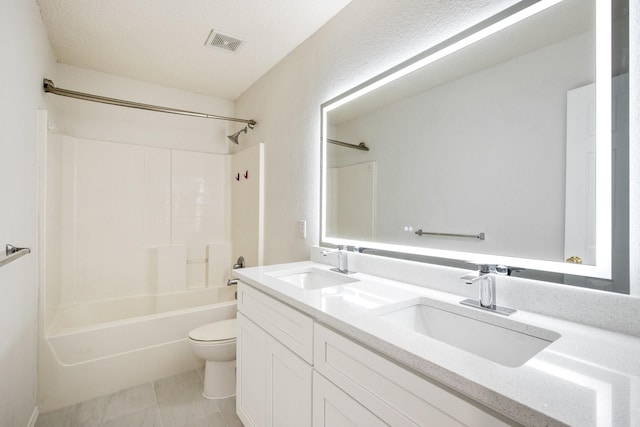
{"points": [[289, 326], [288, 387], [273, 384], [332, 407], [251, 373]]}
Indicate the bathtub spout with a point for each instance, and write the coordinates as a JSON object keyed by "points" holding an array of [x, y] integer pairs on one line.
{"points": [[231, 282]]}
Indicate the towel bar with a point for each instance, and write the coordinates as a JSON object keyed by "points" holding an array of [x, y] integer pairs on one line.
{"points": [[472, 236], [12, 253]]}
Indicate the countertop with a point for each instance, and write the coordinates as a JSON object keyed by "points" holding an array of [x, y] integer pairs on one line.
{"points": [[587, 377]]}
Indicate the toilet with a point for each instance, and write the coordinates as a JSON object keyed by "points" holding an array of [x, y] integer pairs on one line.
{"points": [[216, 343]]}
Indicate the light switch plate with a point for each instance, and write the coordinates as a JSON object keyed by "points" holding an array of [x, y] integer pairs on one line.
{"points": [[302, 228]]}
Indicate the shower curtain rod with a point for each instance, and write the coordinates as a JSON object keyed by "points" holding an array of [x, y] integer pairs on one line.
{"points": [[362, 146], [49, 87]]}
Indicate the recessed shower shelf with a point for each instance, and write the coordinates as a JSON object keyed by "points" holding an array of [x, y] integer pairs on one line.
{"points": [[12, 253]]}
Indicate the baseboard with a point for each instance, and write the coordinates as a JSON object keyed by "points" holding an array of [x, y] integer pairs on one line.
{"points": [[34, 417]]}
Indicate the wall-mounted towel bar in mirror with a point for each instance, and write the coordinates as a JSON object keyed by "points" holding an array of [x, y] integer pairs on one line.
{"points": [[479, 236], [361, 146]]}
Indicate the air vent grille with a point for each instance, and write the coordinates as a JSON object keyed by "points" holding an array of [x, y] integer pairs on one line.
{"points": [[223, 41]]}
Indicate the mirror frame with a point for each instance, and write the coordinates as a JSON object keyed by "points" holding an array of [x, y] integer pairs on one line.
{"points": [[486, 28]]}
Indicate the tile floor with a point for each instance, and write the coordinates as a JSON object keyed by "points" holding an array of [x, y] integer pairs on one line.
{"points": [[170, 402]]}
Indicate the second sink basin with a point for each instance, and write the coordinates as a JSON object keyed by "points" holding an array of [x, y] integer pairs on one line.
{"points": [[313, 278], [500, 340]]}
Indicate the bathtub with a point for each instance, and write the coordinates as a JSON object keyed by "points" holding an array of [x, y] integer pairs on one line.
{"points": [[100, 347], [93, 330]]}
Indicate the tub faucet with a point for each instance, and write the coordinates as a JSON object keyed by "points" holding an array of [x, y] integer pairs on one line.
{"points": [[343, 260], [485, 276]]}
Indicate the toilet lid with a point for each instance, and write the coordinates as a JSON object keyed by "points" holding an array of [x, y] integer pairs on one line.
{"points": [[217, 331]]}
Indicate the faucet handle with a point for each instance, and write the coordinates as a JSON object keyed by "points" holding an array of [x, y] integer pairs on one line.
{"points": [[338, 249], [239, 263], [499, 269], [470, 277], [485, 268]]}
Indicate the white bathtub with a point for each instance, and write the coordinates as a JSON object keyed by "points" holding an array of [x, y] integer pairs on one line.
{"points": [[100, 347]]}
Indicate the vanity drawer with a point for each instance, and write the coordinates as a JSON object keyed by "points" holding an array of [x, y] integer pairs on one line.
{"points": [[396, 395], [287, 325]]}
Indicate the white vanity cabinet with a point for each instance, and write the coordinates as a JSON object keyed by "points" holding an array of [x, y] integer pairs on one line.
{"points": [[274, 354], [391, 394], [292, 371]]}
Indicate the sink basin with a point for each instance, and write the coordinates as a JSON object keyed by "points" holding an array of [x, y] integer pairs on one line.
{"points": [[503, 341], [313, 278]]}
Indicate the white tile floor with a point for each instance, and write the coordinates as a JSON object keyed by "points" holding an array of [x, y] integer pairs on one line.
{"points": [[171, 402]]}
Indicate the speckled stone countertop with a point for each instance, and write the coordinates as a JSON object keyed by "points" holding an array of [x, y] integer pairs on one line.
{"points": [[587, 377]]}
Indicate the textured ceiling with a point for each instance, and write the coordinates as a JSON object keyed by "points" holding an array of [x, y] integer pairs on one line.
{"points": [[163, 41]]}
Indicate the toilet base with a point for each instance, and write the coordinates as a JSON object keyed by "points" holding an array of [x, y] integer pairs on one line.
{"points": [[219, 379]]}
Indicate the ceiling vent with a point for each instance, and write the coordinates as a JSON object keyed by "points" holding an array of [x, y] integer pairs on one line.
{"points": [[223, 41]]}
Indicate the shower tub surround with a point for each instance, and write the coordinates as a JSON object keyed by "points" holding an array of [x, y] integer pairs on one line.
{"points": [[137, 250], [126, 217], [587, 377]]}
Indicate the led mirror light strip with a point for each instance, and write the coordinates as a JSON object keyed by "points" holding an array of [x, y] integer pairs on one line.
{"points": [[603, 141], [602, 269], [461, 44]]}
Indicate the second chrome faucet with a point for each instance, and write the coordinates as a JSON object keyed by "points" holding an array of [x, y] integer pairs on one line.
{"points": [[486, 288], [343, 260]]}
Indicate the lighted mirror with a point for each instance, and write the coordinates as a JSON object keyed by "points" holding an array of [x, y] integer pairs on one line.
{"points": [[493, 146]]}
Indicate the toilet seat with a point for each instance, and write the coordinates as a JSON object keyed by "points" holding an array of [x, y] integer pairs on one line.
{"points": [[221, 331], [216, 344]]}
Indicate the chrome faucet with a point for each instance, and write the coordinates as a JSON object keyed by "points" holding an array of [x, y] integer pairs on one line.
{"points": [[485, 276], [486, 286], [343, 260]]}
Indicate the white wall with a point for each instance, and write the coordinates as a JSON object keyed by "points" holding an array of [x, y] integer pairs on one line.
{"points": [[247, 205], [363, 40], [89, 120], [26, 58]]}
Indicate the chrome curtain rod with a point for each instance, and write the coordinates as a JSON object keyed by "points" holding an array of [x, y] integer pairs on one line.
{"points": [[49, 87], [362, 146]]}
